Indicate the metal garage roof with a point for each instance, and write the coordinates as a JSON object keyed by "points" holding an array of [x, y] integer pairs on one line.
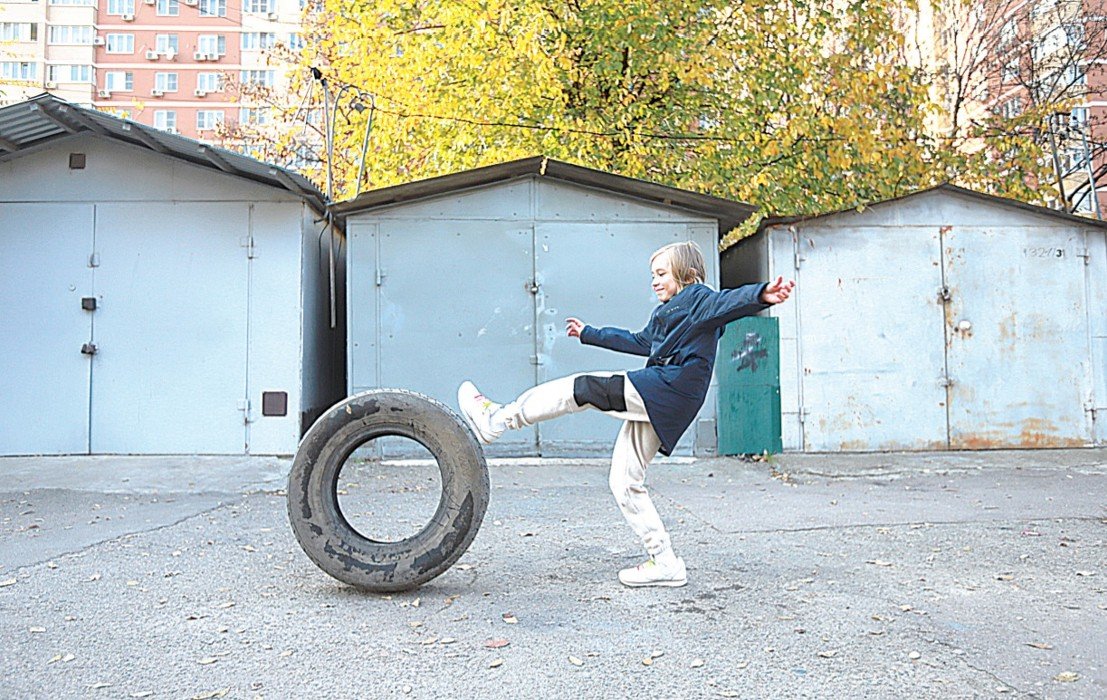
{"points": [[46, 118], [729, 212], [944, 187]]}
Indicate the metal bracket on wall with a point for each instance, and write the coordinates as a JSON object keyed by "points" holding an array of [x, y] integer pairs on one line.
{"points": [[94, 260]]}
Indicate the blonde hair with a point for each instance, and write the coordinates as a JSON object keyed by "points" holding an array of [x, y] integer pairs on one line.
{"points": [[685, 260]]}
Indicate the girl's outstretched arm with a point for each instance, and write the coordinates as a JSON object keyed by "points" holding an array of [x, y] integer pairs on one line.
{"points": [[611, 338], [730, 304]]}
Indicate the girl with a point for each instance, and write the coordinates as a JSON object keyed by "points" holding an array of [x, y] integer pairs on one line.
{"points": [[657, 403]]}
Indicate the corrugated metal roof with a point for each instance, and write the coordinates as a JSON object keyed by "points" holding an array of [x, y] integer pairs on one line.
{"points": [[729, 212], [44, 118], [945, 187]]}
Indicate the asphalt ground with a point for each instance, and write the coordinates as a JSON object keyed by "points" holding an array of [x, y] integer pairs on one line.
{"points": [[937, 575]]}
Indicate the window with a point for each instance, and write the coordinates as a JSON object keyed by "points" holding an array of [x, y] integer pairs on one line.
{"points": [[120, 43], [207, 119], [1079, 117], [165, 119], [212, 44], [166, 82], [18, 31], [168, 8], [258, 77], [1011, 108], [1008, 32], [1075, 76], [209, 82], [121, 7], [119, 81], [295, 41], [166, 44], [74, 34], [69, 74], [256, 116], [73, 2], [258, 40], [213, 8], [18, 70], [1011, 71], [257, 6]]}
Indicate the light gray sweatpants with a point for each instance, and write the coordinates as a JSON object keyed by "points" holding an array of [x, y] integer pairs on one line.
{"points": [[634, 448]]}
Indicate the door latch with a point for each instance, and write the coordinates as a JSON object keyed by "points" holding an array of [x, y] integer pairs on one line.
{"points": [[88, 349], [944, 295], [88, 303]]}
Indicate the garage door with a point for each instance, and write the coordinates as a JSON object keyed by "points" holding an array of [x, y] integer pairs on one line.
{"points": [[169, 375], [44, 378]]}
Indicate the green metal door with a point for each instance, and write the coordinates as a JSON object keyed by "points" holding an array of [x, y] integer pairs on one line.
{"points": [[748, 367]]}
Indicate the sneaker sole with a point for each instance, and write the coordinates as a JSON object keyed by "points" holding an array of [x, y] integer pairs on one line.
{"points": [[662, 584]]}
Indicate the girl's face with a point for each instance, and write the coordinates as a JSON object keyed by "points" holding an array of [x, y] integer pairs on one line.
{"points": [[665, 285]]}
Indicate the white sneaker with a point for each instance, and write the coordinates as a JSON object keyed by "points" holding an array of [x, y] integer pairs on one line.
{"points": [[477, 412], [654, 573]]}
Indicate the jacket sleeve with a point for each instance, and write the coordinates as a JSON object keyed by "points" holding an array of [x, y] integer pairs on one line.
{"points": [[618, 339], [727, 305]]}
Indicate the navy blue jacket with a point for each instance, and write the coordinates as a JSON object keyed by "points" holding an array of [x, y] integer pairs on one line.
{"points": [[680, 341]]}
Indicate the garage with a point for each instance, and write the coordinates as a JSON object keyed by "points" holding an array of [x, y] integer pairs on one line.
{"points": [[945, 319], [471, 276], [158, 296]]}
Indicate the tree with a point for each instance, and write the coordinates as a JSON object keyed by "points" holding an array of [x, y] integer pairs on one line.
{"points": [[1007, 76], [796, 106]]}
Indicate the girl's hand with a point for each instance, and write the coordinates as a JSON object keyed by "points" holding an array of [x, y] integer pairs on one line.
{"points": [[573, 327], [777, 291]]}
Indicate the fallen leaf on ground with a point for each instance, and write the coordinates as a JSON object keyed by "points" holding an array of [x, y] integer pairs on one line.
{"points": [[212, 694], [1005, 577], [142, 694], [429, 640], [7, 582], [1085, 573], [575, 661], [414, 624], [228, 604], [657, 654], [648, 661], [207, 660], [101, 684], [828, 654], [464, 567], [34, 630], [696, 663], [510, 618], [497, 643], [94, 577], [1039, 645], [495, 663], [415, 603], [1067, 677], [879, 562], [447, 640], [914, 656]]}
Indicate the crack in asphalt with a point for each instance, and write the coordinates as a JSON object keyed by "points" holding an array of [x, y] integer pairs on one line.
{"points": [[124, 536]]}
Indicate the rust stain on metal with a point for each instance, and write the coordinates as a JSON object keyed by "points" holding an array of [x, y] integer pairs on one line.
{"points": [[946, 229], [1033, 433]]}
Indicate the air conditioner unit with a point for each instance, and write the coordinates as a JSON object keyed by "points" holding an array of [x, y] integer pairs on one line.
{"points": [[200, 56], [104, 93], [271, 15], [50, 85], [98, 41], [192, 2], [170, 130], [150, 2], [200, 93], [128, 18], [170, 54], [152, 55], [157, 93]]}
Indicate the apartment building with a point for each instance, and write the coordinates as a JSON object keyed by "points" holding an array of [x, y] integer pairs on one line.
{"points": [[172, 64], [995, 59]]}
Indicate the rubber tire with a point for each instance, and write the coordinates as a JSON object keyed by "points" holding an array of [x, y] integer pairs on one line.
{"points": [[343, 552]]}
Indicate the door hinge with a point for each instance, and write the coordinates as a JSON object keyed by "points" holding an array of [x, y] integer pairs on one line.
{"points": [[248, 243], [89, 349], [94, 260], [535, 360], [1083, 253], [945, 382], [380, 277], [244, 406]]}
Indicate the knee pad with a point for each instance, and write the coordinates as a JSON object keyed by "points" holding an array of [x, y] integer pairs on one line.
{"points": [[605, 393]]}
